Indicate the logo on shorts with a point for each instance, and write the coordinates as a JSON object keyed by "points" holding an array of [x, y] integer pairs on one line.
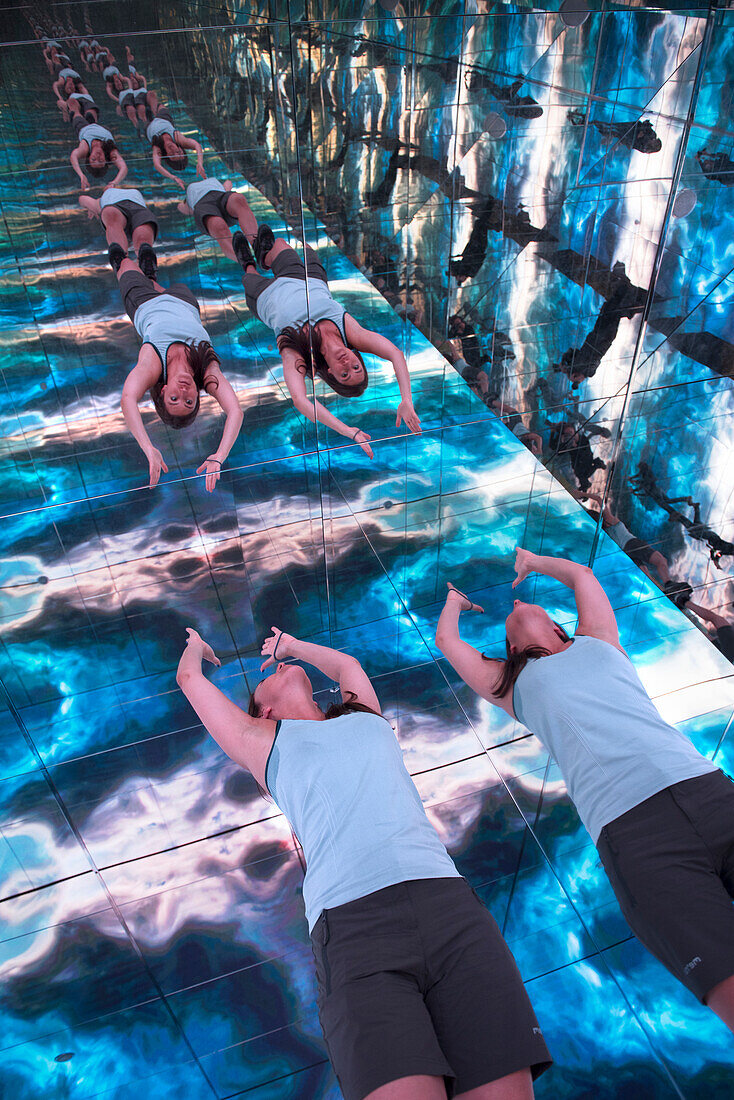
{"points": [[537, 1031], [689, 966]]}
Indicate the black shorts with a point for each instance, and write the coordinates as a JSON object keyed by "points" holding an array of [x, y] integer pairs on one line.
{"points": [[416, 979], [135, 215], [213, 204], [639, 550], [286, 265], [670, 861], [126, 98], [140, 95], [86, 103], [163, 113], [724, 641], [136, 289]]}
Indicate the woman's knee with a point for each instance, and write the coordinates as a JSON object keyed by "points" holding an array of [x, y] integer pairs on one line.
{"points": [[112, 218], [216, 227]]}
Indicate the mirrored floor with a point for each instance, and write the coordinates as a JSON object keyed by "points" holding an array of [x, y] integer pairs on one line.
{"points": [[535, 208]]}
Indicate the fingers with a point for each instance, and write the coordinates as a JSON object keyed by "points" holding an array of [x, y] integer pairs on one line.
{"points": [[398, 420], [267, 664], [164, 467]]}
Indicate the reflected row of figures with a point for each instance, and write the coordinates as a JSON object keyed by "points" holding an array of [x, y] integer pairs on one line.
{"points": [[418, 993]]}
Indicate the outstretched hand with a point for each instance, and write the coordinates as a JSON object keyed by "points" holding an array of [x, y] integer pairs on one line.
{"points": [[274, 647], [524, 565], [408, 415], [212, 467], [196, 642], [460, 597], [364, 442], [155, 465], [200, 170]]}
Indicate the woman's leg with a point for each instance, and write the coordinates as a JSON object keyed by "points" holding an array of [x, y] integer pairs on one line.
{"points": [[114, 222], [721, 1001], [90, 204], [515, 1086], [660, 565], [279, 246], [131, 113], [218, 229], [238, 207], [153, 102], [143, 234], [419, 1087]]}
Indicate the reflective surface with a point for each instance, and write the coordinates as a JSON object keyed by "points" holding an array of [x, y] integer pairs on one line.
{"points": [[474, 183]]}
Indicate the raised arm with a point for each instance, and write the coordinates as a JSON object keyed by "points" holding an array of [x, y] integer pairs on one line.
{"points": [[143, 375], [189, 143], [158, 165], [314, 410], [74, 159], [596, 617], [121, 167], [364, 339], [477, 672], [346, 670], [229, 403], [244, 739]]}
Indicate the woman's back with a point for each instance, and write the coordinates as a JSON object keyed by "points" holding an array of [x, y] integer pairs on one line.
{"points": [[589, 708], [344, 788]]}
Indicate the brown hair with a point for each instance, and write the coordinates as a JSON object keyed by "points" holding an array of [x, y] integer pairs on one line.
{"points": [[514, 663], [297, 339], [351, 705], [176, 163], [109, 148], [199, 357]]}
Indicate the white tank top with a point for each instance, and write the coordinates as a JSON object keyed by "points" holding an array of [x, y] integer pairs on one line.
{"points": [[589, 708], [343, 786]]}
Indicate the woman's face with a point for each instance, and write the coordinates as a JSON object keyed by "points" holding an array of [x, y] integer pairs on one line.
{"points": [[284, 692], [179, 394], [344, 365], [97, 157]]}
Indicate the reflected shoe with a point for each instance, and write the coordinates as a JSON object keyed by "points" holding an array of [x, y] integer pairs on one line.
{"points": [[678, 591], [264, 241], [148, 261], [116, 254], [242, 250]]}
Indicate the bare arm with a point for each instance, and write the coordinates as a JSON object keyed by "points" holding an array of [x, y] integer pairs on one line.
{"points": [[242, 738], [189, 143], [74, 158], [596, 617], [158, 165], [121, 168], [314, 410], [364, 339], [110, 93], [229, 403], [476, 671], [143, 375], [342, 667]]}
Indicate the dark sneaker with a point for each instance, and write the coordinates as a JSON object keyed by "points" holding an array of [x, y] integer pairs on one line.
{"points": [[148, 261], [116, 254], [242, 250], [264, 241]]}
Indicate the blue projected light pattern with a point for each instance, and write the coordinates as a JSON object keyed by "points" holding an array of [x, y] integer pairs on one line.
{"points": [[152, 926]]}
